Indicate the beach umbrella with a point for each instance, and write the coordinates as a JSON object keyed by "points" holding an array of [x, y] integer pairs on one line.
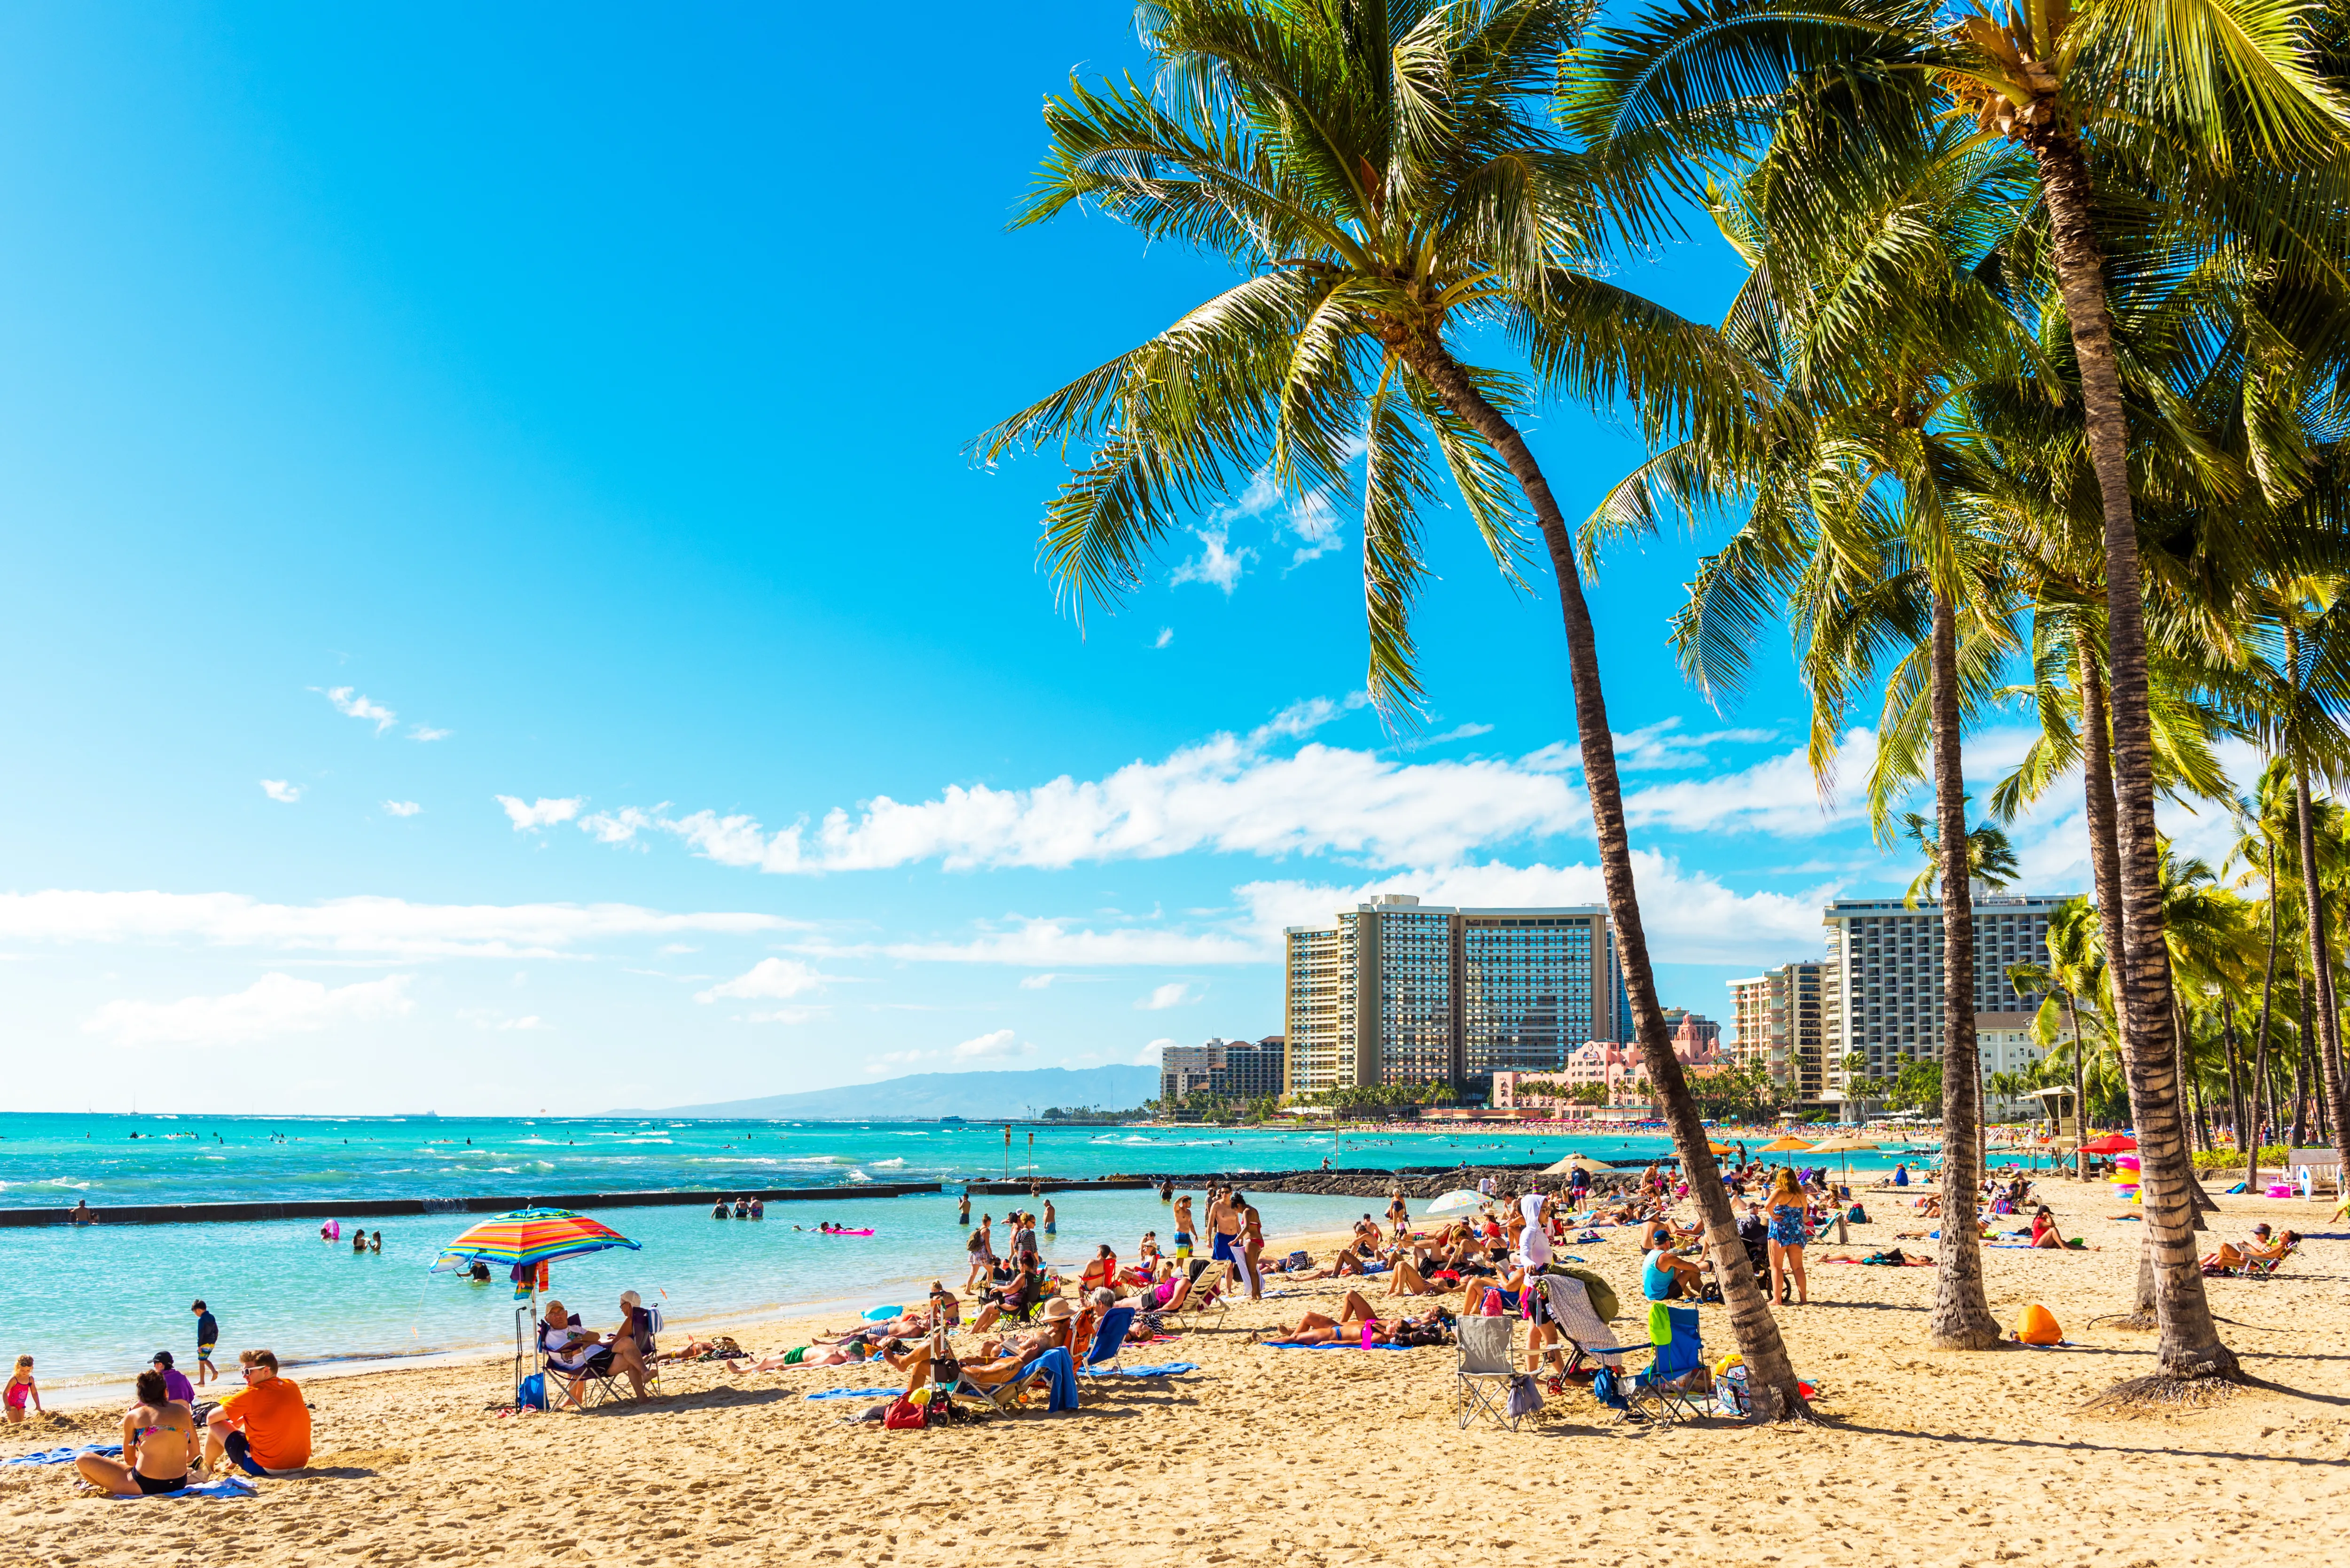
{"points": [[1583, 1162], [1458, 1201], [1785, 1144], [529, 1237], [2112, 1143]]}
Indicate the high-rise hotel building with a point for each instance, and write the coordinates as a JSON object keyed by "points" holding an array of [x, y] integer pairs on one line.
{"points": [[1778, 1017], [1398, 991], [1883, 995]]}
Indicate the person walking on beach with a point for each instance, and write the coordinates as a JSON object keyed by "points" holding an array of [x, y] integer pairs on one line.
{"points": [[1252, 1245], [1224, 1219], [207, 1335], [1183, 1230]]}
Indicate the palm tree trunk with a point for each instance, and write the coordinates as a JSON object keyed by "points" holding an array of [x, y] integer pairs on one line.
{"points": [[1962, 1318], [2189, 1344], [2321, 961], [2080, 1089], [1770, 1376], [2300, 1124], [2260, 1044], [2105, 851], [2235, 1079]]}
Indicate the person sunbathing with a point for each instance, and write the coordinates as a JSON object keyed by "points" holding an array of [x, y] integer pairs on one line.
{"points": [[800, 1355], [1408, 1281], [1100, 1272], [2257, 1248], [2045, 1233], [720, 1349], [1314, 1328]]}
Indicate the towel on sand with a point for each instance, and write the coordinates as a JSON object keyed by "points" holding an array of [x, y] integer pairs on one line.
{"points": [[219, 1491], [1334, 1344], [854, 1393], [1168, 1370], [65, 1455]]}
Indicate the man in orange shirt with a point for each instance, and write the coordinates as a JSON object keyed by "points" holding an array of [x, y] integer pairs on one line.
{"points": [[265, 1425]]}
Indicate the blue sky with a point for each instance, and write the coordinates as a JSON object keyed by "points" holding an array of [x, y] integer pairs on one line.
{"points": [[484, 490]]}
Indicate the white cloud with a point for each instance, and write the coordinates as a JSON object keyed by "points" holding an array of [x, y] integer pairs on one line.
{"points": [[1689, 917], [279, 790], [402, 808], [531, 1021], [1166, 636], [427, 733], [1777, 795], [788, 1014], [1663, 745], [1229, 795], [772, 979], [997, 1045], [620, 827], [347, 700], [274, 1004], [530, 817], [1034, 942], [1037, 982], [1175, 993], [363, 925], [1216, 565], [1149, 1056]]}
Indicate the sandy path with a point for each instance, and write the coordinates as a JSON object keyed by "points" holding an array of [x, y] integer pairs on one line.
{"points": [[1314, 1458]]}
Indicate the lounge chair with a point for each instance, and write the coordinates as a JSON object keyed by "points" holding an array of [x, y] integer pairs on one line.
{"points": [[1108, 1342], [1484, 1364], [1195, 1300], [2253, 1269], [1003, 1395], [1587, 1334], [1676, 1382]]}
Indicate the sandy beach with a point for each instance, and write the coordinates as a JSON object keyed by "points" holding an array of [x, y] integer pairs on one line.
{"points": [[1329, 1457]]}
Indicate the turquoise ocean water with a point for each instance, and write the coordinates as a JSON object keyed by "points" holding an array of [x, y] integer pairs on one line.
{"points": [[92, 1304]]}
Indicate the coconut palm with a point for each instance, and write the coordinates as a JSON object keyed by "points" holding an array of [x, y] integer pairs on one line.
{"points": [[2216, 101], [1389, 179], [1991, 855]]}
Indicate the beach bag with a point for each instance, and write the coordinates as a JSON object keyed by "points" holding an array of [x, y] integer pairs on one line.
{"points": [[1525, 1398], [2039, 1326], [908, 1413], [1607, 1387], [531, 1393]]}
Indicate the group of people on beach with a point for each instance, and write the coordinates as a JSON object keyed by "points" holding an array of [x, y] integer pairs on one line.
{"points": [[171, 1439]]}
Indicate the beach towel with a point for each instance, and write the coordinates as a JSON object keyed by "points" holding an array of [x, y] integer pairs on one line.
{"points": [[1168, 1369], [851, 1393], [1060, 1373], [65, 1455], [1335, 1344], [219, 1491]]}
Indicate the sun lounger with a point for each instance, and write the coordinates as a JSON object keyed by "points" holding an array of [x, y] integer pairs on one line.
{"points": [[1053, 1367], [1580, 1324], [1195, 1301], [1484, 1365]]}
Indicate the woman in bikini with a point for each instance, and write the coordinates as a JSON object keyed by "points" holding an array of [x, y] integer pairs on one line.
{"points": [[1788, 1234], [159, 1445]]}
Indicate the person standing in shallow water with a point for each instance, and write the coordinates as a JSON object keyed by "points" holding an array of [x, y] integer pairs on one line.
{"points": [[1052, 1227], [962, 1208], [1184, 1231]]}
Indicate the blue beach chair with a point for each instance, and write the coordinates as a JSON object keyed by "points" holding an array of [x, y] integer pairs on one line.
{"points": [[1676, 1382], [1110, 1342]]}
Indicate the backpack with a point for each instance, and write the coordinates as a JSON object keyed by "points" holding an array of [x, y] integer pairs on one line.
{"points": [[907, 1412]]}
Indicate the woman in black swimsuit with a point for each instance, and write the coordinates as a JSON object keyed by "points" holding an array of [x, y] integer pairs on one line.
{"points": [[159, 1445]]}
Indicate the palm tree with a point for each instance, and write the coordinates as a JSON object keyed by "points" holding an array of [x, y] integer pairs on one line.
{"points": [[1860, 517], [2213, 99], [1991, 855], [1389, 179]]}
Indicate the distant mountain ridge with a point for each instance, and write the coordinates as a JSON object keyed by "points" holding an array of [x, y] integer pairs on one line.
{"points": [[977, 1096]]}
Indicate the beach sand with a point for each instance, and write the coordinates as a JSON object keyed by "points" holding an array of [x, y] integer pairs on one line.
{"points": [[1332, 1457]]}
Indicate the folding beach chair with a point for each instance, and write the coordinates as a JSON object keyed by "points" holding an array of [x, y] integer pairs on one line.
{"points": [[1587, 1336], [1110, 1342], [1204, 1295], [611, 1384], [1006, 1396], [1676, 1382], [1483, 1366]]}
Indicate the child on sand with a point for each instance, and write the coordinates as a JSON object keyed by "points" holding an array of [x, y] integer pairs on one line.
{"points": [[22, 1387]]}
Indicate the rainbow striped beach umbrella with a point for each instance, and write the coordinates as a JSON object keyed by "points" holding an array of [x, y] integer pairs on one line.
{"points": [[529, 1237]]}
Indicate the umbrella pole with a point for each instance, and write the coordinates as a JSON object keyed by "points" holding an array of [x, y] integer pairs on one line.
{"points": [[1842, 1239]]}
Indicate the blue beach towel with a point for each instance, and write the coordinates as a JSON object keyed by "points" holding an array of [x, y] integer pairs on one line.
{"points": [[1335, 1344], [1170, 1370], [220, 1491], [1060, 1373], [854, 1393], [65, 1455]]}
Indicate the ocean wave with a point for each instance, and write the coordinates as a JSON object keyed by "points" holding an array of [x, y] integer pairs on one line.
{"points": [[888, 1164], [858, 1175], [813, 1159], [732, 1159]]}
